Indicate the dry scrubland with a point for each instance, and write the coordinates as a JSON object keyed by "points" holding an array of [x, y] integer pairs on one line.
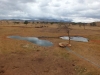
{"points": [[18, 57]]}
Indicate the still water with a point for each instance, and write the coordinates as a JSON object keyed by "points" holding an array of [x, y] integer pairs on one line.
{"points": [[33, 40], [75, 38]]}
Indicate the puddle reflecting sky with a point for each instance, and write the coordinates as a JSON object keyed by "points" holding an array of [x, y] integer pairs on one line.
{"points": [[76, 38], [33, 40]]}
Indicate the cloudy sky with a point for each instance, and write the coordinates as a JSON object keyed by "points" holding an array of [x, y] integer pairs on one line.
{"points": [[75, 10]]}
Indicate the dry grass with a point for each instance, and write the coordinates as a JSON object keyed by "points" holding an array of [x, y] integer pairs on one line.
{"points": [[22, 57]]}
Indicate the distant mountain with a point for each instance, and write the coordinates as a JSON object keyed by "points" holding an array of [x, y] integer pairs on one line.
{"points": [[40, 20], [53, 20], [12, 20]]}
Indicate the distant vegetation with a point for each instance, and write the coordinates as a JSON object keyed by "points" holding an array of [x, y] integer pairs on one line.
{"points": [[16, 22], [44, 23], [93, 24], [26, 22]]}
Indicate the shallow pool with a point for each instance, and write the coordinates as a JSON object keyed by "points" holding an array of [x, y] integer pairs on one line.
{"points": [[33, 40], [75, 38]]}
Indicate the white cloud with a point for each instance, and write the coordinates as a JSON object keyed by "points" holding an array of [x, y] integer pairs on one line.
{"points": [[77, 10]]}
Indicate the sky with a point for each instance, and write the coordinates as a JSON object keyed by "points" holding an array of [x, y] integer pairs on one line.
{"points": [[73, 10]]}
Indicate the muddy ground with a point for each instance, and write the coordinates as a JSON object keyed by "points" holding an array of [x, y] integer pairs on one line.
{"points": [[19, 57]]}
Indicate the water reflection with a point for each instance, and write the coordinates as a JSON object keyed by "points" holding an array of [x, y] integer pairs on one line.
{"points": [[75, 38], [33, 40]]}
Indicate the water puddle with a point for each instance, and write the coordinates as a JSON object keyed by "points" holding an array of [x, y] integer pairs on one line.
{"points": [[33, 40], [75, 38]]}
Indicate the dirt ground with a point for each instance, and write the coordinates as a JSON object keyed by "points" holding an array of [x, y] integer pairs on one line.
{"points": [[19, 57]]}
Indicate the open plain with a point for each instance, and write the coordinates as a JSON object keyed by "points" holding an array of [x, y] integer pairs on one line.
{"points": [[19, 57]]}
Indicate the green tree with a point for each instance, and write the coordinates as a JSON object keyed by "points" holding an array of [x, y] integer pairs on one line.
{"points": [[84, 24], [51, 23], [94, 24], [26, 22], [91, 24], [33, 22]]}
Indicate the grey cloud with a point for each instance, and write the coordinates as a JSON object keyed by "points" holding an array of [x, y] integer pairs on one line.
{"points": [[57, 5], [43, 3], [77, 10], [81, 1], [27, 1]]}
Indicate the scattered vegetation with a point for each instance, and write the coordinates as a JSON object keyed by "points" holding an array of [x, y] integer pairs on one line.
{"points": [[26, 22], [53, 60]]}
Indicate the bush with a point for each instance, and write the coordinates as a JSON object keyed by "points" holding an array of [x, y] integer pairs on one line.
{"points": [[26, 22]]}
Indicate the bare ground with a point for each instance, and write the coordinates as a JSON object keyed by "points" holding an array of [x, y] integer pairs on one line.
{"points": [[19, 57]]}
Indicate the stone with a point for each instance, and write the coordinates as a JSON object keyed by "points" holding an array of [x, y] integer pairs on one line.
{"points": [[64, 44]]}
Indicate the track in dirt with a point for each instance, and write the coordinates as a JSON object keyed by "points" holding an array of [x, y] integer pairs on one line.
{"points": [[71, 51]]}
